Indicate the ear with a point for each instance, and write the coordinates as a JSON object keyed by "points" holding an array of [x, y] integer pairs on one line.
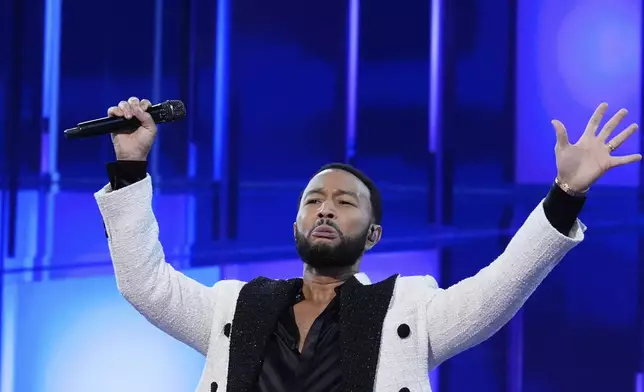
{"points": [[294, 230], [373, 237]]}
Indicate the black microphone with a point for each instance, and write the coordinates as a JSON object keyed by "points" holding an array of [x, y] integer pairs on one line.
{"points": [[165, 112]]}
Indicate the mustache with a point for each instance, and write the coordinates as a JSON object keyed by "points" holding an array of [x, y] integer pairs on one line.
{"points": [[326, 222]]}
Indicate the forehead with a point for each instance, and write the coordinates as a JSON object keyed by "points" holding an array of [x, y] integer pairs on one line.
{"points": [[333, 180]]}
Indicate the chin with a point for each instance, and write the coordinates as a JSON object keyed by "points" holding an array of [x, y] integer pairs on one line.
{"points": [[323, 246]]}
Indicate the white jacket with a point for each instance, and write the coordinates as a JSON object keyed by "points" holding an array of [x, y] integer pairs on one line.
{"points": [[393, 332]]}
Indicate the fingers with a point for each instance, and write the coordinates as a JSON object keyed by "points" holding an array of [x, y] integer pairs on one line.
{"points": [[562, 134], [617, 141], [611, 125], [130, 107], [624, 160], [114, 111], [595, 120], [140, 113], [145, 104], [133, 108], [623, 135], [126, 109]]}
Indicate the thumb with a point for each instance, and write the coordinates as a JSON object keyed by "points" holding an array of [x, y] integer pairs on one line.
{"points": [[562, 134], [145, 118]]}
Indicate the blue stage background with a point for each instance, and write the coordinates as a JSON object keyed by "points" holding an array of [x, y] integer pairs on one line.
{"points": [[446, 104]]}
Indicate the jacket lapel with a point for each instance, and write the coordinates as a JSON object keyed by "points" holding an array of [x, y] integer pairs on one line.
{"points": [[362, 314], [260, 303]]}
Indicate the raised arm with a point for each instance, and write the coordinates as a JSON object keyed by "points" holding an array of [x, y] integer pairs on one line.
{"points": [[170, 300], [474, 309], [175, 303]]}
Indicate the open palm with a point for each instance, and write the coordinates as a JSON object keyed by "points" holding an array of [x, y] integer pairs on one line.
{"points": [[579, 165]]}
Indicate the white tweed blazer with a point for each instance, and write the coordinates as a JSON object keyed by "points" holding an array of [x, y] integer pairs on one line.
{"points": [[441, 322]]}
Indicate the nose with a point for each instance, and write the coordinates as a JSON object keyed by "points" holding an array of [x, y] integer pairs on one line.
{"points": [[326, 212]]}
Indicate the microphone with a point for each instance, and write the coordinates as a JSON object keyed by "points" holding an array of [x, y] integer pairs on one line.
{"points": [[165, 112]]}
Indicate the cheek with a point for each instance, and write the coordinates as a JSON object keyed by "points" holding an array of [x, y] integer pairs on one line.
{"points": [[305, 221], [353, 226]]}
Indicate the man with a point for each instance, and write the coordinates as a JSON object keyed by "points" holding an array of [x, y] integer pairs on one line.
{"points": [[332, 330]]}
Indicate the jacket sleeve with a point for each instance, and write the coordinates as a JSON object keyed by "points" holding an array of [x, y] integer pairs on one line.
{"points": [[472, 310], [173, 302]]}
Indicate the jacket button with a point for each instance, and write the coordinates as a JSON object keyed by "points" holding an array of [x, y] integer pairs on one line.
{"points": [[227, 330], [404, 389], [403, 331], [213, 387]]}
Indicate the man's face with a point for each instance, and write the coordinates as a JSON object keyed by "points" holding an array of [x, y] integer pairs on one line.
{"points": [[333, 226]]}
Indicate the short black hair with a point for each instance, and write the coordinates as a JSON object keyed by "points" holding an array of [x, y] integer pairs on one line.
{"points": [[376, 203]]}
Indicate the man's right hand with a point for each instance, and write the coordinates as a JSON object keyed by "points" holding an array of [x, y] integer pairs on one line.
{"points": [[134, 146]]}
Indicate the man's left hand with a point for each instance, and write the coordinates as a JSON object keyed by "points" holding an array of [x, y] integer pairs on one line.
{"points": [[579, 165]]}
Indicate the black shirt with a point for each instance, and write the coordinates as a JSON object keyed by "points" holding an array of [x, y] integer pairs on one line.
{"points": [[316, 369]]}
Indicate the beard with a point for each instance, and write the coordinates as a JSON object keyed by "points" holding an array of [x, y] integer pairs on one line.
{"points": [[321, 256]]}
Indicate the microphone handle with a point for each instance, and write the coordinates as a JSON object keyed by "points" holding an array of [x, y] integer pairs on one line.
{"points": [[108, 125]]}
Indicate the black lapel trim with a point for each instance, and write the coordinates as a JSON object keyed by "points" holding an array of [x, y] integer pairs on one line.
{"points": [[260, 303], [362, 314]]}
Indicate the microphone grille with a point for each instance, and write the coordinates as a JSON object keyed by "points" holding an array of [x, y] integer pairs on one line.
{"points": [[172, 110], [178, 109]]}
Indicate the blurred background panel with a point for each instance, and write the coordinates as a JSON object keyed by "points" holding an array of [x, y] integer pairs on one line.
{"points": [[287, 87], [391, 130], [392, 124], [94, 57], [21, 83], [286, 109]]}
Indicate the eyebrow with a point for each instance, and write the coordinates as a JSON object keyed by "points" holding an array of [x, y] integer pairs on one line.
{"points": [[320, 191]]}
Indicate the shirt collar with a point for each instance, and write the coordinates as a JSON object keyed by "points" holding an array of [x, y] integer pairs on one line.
{"points": [[358, 279]]}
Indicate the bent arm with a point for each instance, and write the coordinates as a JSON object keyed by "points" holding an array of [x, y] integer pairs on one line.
{"points": [[472, 310], [173, 302]]}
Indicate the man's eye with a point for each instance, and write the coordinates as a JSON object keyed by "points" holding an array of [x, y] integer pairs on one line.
{"points": [[344, 202], [312, 201]]}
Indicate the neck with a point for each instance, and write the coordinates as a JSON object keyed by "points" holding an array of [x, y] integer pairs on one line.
{"points": [[319, 284]]}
